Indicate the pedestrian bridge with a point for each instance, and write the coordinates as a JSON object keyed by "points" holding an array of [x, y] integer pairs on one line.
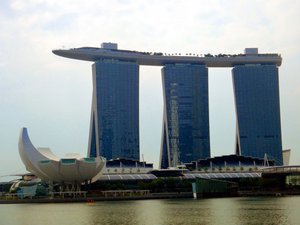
{"points": [[284, 170]]}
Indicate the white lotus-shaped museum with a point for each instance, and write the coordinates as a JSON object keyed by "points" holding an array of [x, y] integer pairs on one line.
{"points": [[71, 169]]}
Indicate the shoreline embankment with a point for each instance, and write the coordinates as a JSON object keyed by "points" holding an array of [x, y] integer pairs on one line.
{"points": [[172, 195]]}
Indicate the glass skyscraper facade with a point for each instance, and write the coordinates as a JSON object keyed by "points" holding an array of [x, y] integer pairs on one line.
{"points": [[114, 129], [256, 92], [185, 136]]}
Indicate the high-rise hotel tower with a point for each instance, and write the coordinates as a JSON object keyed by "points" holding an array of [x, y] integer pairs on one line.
{"points": [[114, 129], [258, 129], [185, 135]]}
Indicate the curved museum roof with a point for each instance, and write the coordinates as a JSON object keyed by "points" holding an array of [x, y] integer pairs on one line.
{"points": [[160, 59], [47, 166]]}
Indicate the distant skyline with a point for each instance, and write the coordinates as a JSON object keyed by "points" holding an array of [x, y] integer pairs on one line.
{"points": [[52, 96]]}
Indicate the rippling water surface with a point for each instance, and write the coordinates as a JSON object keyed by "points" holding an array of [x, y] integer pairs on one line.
{"points": [[242, 211]]}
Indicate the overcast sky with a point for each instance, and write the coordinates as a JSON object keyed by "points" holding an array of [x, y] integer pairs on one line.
{"points": [[51, 95]]}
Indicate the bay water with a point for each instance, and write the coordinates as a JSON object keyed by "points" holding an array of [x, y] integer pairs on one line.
{"points": [[215, 211]]}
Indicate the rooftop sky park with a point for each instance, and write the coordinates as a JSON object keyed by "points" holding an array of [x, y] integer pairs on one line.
{"points": [[110, 50]]}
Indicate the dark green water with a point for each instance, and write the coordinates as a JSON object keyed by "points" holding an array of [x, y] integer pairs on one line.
{"points": [[243, 211]]}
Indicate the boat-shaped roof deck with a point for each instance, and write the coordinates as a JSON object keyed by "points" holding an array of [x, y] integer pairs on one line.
{"points": [[160, 59]]}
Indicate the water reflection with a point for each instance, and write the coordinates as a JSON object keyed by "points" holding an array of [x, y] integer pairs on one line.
{"points": [[263, 211], [185, 211], [240, 211], [112, 213]]}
